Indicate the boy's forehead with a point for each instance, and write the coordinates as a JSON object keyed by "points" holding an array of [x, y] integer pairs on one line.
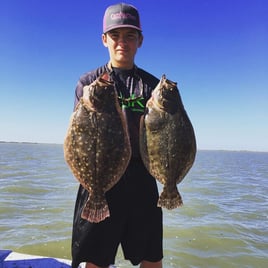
{"points": [[123, 30]]}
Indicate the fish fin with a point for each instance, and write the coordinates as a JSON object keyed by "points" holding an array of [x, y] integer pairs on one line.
{"points": [[95, 211], [170, 200]]}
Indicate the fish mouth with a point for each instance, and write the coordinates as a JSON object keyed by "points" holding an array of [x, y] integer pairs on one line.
{"points": [[165, 102]]}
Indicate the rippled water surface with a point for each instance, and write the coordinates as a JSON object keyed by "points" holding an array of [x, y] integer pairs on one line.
{"points": [[223, 223]]}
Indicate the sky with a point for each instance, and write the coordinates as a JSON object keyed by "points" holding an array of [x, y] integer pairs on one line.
{"points": [[216, 50]]}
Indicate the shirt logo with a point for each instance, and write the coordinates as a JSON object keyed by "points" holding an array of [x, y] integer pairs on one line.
{"points": [[135, 104]]}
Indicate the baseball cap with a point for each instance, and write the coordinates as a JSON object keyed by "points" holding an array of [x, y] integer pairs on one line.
{"points": [[121, 15]]}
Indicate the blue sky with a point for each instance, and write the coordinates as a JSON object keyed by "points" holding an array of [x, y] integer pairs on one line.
{"points": [[217, 51]]}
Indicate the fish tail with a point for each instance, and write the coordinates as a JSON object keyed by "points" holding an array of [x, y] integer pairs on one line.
{"points": [[95, 211], [170, 200]]}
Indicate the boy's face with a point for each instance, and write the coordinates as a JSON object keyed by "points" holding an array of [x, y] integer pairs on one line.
{"points": [[122, 44]]}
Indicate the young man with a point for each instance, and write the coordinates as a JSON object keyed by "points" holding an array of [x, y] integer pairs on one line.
{"points": [[135, 221]]}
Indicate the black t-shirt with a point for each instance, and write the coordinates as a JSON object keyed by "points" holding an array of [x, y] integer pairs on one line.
{"points": [[134, 88]]}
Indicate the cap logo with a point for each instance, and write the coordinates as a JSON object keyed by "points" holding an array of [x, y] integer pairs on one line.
{"points": [[121, 15]]}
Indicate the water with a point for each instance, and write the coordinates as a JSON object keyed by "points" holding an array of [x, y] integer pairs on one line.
{"points": [[223, 223]]}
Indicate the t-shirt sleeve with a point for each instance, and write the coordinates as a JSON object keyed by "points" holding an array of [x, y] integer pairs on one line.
{"points": [[85, 80], [78, 93]]}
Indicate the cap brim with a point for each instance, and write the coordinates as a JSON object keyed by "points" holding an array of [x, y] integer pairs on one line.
{"points": [[122, 26]]}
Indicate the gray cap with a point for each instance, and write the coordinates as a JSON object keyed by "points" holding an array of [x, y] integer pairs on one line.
{"points": [[119, 16]]}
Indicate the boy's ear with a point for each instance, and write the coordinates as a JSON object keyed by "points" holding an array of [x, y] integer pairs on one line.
{"points": [[140, 40], [104, 39]]}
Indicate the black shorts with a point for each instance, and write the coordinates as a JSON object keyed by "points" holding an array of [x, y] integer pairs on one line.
{"points": [[135, 222]]}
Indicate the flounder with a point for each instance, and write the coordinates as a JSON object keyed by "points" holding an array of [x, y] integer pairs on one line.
{"points": [[97, 146], [167, 141]]}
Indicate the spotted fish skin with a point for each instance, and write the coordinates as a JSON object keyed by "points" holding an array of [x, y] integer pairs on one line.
{"points": [[97, 147], [167, 141]]}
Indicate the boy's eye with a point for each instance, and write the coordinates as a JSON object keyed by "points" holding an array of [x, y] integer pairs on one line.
{"points": [[114, 35], [131, 36], [128, 36]]}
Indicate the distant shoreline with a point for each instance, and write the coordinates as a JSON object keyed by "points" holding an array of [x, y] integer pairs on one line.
{"points": [[26, 142], [211, 150], [29, 142]]}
